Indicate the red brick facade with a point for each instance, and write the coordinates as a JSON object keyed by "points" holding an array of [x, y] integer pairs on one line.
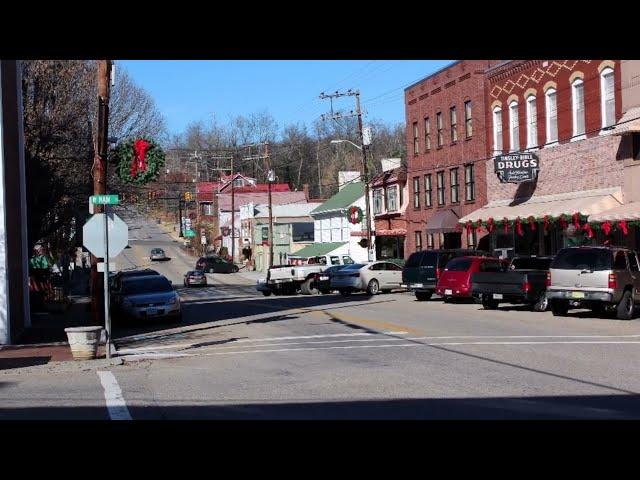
{"points": [[460, 82]]}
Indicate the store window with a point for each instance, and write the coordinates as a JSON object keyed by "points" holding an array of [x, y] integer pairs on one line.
{"points": [[430, 240], [428, 190], [377, 201], [608, 97], [468, 121], [440, 185], [415, 138], [418, 241], [427, 134], [514, 127], [532, 122], [552, 115], [206, 209], [469, 183], [416, 192], [440, 129], [497, 131], [302, 232], [453, 177], [454, 124], [577, 101]]}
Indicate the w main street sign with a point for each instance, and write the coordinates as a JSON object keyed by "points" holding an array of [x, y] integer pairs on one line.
{"points": [[517, 167], [93, 235]]}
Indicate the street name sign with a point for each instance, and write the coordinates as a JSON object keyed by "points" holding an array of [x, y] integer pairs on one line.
{"points": [[93, 235], [104, 199]]}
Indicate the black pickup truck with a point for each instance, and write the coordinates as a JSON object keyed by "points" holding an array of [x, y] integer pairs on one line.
{"points": [[523, 281]]}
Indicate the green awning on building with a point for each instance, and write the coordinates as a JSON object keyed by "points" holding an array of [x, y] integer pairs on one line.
{"points": [[318, 249]]}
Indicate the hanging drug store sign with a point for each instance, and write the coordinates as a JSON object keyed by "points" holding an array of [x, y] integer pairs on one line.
{"points": [[517, 167]]}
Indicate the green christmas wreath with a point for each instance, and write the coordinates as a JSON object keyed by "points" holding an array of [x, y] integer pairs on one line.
{"points": [[138, 160], [354, 215]]}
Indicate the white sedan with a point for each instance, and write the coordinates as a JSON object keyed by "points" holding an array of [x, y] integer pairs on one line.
{"points": [[372, 277]]}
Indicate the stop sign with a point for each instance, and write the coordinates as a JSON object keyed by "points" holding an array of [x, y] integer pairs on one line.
{"points": [[93, 234]]}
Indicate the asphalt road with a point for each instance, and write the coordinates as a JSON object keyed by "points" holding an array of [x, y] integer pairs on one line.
{"points": [[239, 355]]}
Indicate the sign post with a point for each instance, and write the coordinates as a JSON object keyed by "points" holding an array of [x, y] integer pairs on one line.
{"points": [[107, 317]]}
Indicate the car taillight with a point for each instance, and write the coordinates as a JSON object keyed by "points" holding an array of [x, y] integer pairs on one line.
{"points": [[613, 281], [548, 281], [526, 287]]}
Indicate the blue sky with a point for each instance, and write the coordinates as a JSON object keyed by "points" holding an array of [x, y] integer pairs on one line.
{"points": [[191, 90]]}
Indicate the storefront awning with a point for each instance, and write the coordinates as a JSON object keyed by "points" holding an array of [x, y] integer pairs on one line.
{"points": [[587, 202], [443, 221], [629, 123], [628, 211]]}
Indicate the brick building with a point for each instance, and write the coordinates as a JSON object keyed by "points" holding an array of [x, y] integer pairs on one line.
{"points": [[389, 201], [561, 111], [446, 152]]}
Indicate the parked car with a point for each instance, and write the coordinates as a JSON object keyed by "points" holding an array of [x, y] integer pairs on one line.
{"points": [[372, 277], [149, 297], [422, 269], [215, 265], [290, 279], [195, 277], [599, 278], [117, 277], [524, 280], [322, 280], [157, 254], [455, 280]]}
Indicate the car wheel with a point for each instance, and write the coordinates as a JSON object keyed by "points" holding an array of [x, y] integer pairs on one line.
{"points": [[307, 288], [423, 296], [235, 269], [266, 294], [542, 304], [489, 303], [373, 288], [624, 311], [559, 308], [345, 293]]}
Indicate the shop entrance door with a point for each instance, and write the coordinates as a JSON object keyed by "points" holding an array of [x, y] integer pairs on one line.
{"points": [[452, 240]]}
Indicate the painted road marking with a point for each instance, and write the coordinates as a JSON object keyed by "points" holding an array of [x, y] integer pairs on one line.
{"points": [[113, 395]]}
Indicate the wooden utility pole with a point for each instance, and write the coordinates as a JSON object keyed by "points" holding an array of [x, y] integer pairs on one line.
{"points": [[100, 178]]}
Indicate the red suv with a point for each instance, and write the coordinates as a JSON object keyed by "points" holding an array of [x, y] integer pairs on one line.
{"points": [[455, 281]]}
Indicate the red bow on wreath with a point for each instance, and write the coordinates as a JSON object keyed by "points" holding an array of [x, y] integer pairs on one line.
{"points": [[479, 226], [623, 226], [546, 222], [469, 226], [506, 225], [490, 225], [587, 228], [519, 227], [606, 227], [563, 222], [576, 220], [138, 164], [532, 223]]}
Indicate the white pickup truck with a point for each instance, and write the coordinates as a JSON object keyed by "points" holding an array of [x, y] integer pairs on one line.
{"points": [[289, 279]]}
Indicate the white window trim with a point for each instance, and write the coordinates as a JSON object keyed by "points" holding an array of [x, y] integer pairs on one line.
{"points": [[513, 105], [397, 209], [497, 111], [603, 113], [531, 99], [574, 109], [383, 206], [547, 122]]}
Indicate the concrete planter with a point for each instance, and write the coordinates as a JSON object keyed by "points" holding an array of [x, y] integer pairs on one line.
{"points": [[84, 342]]}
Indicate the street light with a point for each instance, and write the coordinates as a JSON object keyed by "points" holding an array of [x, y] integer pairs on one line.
{"points": [[366, 191]]}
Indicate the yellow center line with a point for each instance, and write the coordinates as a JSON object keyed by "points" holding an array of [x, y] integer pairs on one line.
{"points": [[368, 322]]}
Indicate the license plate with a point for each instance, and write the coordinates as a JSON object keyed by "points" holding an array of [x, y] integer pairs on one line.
{"points": [[497, 296], [324, 278], [417, 285], [152, 311], [577, 294], [448, 292]]}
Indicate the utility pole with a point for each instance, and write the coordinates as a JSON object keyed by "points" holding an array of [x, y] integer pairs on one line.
{"points": [[99, 171], [233, 215], [363, 149], [270, 179]]}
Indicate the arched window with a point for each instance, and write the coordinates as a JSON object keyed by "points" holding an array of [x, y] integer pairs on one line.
{"points": [[514, 127], [532, 122], [551, 107], [497, 131], [607, 94], [577, 101]]}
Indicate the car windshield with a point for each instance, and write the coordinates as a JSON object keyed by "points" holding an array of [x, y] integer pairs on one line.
{"points": [[458, 265], [530, 263], [146, 285], [583, 259], [157, 250]]}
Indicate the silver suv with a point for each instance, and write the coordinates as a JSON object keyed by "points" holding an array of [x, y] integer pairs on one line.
{"points": [[599, 278]]}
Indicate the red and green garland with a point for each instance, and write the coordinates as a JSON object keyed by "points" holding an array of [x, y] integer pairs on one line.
{"points": [[138, 160], [578, 220], [355, 215]]}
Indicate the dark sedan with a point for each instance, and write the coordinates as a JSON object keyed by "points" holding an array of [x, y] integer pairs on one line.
{"points": [[322, 280], [215, 265], [195, 277]]}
